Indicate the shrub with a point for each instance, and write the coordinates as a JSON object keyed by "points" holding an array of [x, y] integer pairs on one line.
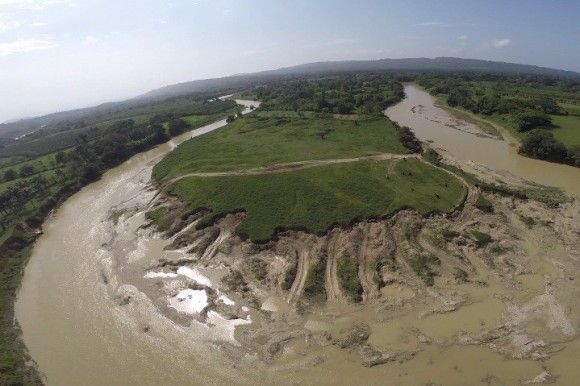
{"points": [[420, 265], [259, 268], [290, 276], [314, 284], [234, 281], [408, 139], [483, 204], [529, 221], [432, 156], [449, 234], [481, 238], [347, 270]]}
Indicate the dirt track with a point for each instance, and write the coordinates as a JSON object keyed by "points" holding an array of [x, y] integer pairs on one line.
{"points": [[292, 166], [300, 279]]}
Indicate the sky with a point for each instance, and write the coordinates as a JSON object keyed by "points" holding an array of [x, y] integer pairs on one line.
{"points": [[61, 54]]}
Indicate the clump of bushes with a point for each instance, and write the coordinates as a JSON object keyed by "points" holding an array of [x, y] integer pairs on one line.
{"points": [[483, 204], [528, 221], [449, 234], [420, 265], [160, 217], [411, 230], [259, 268], [290, 276], [408, 139], [481, 238], [347, 270], [460, 276], [234, 281], [432, 156], [314, 284]]}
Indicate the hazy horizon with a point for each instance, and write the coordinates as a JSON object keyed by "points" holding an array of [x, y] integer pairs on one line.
{"points": [[58, 55]]}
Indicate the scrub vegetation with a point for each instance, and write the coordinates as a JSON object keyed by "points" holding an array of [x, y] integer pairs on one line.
{"points": [[347, 270]]}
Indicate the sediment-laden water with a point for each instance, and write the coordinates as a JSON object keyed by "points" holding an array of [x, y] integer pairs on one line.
{"points": [[467, 142]]}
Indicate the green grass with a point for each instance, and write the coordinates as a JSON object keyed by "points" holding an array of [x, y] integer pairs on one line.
{"points": [[314, 283], [568, 129], [347, 270], [161, 217], [315, 199], [260, 139]]}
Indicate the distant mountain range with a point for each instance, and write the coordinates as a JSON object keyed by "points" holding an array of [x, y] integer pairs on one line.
{"points": [[447, 64], [236, 82]]}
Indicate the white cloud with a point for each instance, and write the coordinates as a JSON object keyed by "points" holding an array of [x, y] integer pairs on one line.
{"points": [[228, 12], [163, 21], [37, 24], [9, 24], [90, 40], [433, 24], [339, 41], [25, 45], [501, 43], [35, 4], [463, 38]]}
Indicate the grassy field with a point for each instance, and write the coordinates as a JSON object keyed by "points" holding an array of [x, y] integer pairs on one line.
{"points": [[318, 198], [262, 139]]}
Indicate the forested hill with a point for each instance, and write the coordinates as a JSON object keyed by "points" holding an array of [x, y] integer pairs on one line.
{"points": [[409, 64]]}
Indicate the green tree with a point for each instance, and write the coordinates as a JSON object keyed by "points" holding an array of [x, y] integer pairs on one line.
{"points": [[542, 144], [9, 175], [531, 119]]}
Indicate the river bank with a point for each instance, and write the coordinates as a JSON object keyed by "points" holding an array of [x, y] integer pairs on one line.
{"points": [[16, 252]]}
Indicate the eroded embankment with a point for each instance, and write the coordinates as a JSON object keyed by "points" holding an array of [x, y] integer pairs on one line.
{"points": [[500, 279]]}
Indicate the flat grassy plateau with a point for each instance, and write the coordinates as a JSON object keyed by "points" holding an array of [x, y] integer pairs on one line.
{"points": [[313, 199]]}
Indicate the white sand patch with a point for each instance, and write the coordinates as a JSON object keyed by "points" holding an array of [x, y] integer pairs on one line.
{"points": [[224, 328], [163, 275], [227, 301], [270, 305], [194, 275], [189, 301]]}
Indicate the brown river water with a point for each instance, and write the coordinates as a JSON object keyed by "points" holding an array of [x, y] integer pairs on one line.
{"points": [[77, 332], [461, 140]]}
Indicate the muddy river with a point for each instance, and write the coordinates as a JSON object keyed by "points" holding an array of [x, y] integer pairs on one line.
{"points": [[90, 316], [466, 142]]}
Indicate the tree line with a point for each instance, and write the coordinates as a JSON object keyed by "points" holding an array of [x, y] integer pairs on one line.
{"points": [[341, 94]]}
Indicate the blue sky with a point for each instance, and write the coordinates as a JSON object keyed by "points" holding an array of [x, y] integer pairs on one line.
{"points": [[61, 54]]}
